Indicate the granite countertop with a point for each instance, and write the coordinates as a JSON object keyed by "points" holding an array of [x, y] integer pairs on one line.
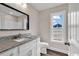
{"points": [[6, 44]]}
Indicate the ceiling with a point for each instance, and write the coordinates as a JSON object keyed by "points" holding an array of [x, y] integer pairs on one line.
{"points": [[43, 6]]}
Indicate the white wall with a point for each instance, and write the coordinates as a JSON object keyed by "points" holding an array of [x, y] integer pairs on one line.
{"points": [[45, 28], [34, 21]]}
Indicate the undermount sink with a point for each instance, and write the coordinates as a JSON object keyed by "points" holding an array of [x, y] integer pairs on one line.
{"points": [[19, 39]]}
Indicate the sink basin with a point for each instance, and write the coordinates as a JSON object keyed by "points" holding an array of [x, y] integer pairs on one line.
{"points": [[19, 40]]}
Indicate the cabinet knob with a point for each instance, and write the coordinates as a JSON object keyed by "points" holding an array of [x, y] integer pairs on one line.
{"points": [[67, 43]]}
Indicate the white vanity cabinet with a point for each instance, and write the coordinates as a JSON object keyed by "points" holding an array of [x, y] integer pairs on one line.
{"points": [[28, 49], [11, 52], [31, 48]]}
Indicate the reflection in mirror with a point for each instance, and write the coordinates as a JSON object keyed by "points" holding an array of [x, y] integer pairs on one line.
{"points": [[11, 19]]}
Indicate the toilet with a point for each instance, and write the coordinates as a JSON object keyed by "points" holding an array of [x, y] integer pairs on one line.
{"points": [[44, 46]]}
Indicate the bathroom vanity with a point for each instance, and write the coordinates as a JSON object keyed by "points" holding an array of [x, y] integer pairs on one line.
{"points": [[28, 47], [12, 19]]}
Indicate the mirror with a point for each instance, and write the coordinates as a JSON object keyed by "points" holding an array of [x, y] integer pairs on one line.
{"points": [[13, 19]]}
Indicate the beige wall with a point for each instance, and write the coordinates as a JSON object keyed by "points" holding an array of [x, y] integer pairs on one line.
{"points": [[45, 20], [45, 27], [34, 21]]}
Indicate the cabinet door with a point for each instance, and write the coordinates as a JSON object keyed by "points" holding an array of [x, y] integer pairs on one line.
{"points": [[14, 52], [6, 53], [28, 49], [11, 52], [34, 50], [29, 52]]}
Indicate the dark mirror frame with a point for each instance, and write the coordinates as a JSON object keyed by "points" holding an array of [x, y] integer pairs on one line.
{"points": [[27, 24]]}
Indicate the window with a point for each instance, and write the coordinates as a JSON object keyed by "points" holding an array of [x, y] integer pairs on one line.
{"points": [[57, 21], [58, 26]]}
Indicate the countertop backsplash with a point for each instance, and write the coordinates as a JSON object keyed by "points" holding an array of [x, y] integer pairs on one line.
{"points": [[16, 36]]}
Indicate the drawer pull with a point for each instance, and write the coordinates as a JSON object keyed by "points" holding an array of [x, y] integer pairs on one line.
{"points": [[67, 43]]}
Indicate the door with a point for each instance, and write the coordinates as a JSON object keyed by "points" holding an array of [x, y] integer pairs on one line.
{"points": [[73, 25], [58, 32]]}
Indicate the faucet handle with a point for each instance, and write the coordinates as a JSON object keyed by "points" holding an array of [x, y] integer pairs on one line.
{"points": [[19, 35]]}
